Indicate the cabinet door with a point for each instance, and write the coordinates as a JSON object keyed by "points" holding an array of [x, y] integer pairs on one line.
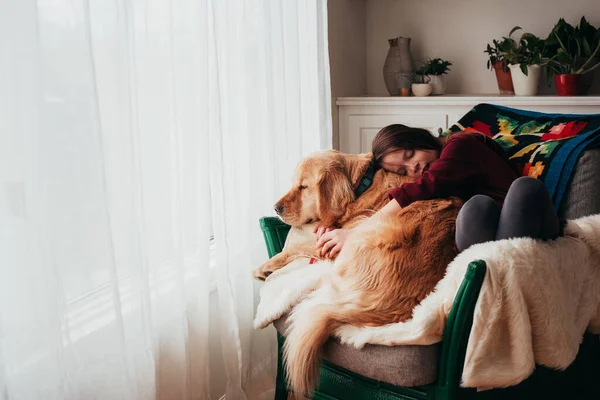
{"points": [[361, 129]]}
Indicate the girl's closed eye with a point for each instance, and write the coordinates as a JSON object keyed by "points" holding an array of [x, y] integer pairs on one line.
{"points": [[409, 154]]}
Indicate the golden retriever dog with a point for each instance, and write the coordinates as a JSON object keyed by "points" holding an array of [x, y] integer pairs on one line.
{"points": [[323, 191], [387, 266]]}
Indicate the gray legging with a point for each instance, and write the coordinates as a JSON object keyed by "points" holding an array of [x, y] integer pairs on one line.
{"points": [[527, 212]]}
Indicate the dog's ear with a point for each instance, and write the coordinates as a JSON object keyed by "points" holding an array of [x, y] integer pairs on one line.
{"points": [[356, 166], [335, 194]]}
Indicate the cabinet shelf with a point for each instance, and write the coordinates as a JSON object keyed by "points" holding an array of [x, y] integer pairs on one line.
{"points": [[360, 118], [466, 99]]}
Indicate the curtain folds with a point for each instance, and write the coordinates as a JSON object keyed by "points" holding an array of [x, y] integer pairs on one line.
{"points": [[140, 143]]}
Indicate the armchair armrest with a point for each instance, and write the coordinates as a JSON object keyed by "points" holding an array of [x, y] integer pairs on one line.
{"points": [[458, 329], [275, 231]]}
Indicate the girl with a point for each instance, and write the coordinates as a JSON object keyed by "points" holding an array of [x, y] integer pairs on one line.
{"points": [[499, 203]]}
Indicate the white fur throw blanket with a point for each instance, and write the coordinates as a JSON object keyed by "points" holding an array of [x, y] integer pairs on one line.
{"points": [[537, 300]]}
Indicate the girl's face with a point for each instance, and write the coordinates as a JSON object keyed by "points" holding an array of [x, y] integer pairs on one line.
{"points": [[411, 163]]}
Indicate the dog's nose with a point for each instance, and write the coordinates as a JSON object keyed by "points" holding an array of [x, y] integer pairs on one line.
{"points": [[278, 208]]}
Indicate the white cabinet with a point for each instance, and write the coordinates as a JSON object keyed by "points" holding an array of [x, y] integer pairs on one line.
{"points": [[362, 128], [360, 118]]}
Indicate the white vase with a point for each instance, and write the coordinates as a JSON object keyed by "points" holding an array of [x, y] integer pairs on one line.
{"points": [[525, 85], [422, 89], [437, 82]]}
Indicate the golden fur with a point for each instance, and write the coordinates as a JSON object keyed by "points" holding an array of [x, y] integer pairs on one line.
{"points": [[330, 178], [386, 267]]}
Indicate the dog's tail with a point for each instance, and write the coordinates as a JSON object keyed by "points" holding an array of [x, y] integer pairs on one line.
{"points": [[312, 323], [307, 333]]}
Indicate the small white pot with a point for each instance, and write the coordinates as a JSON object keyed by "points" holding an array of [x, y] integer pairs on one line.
{"points": [[422, 89], [437, 81], [525, 85]]}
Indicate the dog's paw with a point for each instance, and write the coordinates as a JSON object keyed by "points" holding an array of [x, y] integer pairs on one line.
{"points": [[352, 335], [261, 273]]}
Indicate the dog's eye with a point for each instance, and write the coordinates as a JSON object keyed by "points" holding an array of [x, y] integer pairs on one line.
{"points": [[302, 187]]}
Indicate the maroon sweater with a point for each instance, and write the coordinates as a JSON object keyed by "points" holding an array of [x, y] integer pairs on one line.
{"points": [[469, 164]]}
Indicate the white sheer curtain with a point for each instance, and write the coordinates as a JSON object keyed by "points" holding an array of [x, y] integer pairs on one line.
{"points": [[140, 143]]}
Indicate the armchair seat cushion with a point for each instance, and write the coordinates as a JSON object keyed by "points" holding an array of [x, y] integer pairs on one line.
{"points": [[398, 365], [582, 197]]}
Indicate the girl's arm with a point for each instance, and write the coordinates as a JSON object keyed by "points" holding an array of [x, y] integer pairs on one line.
{"points": [[330, 243], [459, 166]]}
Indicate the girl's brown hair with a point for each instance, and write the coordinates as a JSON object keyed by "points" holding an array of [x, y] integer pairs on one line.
{"points": [[401, 137]]}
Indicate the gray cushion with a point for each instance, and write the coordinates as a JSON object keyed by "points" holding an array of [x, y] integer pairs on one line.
{"points": [[398, 365], [583, 194]]}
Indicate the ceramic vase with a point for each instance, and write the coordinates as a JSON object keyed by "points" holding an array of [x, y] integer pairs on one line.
{"points": [[398, 68], [568, 84], [525, 85], [422, 89], [586, 81], [437, 83]]}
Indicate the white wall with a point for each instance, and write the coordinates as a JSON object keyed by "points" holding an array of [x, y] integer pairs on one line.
{"points": [[458, 30], [347, 52]]}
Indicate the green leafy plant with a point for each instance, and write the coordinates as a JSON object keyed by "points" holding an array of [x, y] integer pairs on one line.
{"points": [[528, 50], [572, 50], [497, 52], [421, 75], [435, 66]]}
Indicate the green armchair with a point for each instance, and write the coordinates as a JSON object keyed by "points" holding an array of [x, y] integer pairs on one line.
{"points": [[339, 382]]}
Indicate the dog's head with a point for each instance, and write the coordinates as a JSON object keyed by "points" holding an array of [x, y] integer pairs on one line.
{"points": [[322, 188]]}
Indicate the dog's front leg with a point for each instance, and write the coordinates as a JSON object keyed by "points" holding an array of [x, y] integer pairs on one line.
{"points": [[278, 261], [282, 259]]}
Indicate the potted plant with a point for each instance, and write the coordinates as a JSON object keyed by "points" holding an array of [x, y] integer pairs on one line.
{"points": [[421, 86], [435, 69], [498, 62], [572, 54], [525, 60]]}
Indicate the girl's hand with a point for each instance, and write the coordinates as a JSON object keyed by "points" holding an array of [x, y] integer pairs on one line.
{"points": [[320, 230], [331, 243]]}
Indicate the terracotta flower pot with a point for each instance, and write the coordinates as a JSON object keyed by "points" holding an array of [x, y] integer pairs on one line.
{"points": [[505, 83], [567, 84]]}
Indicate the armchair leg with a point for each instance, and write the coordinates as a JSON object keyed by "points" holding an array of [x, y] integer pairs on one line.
{"points": [[280, 385]]}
